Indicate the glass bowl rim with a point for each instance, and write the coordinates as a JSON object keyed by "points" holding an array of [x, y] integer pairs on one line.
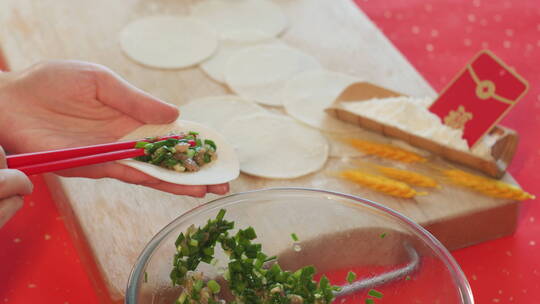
{"points": [[459, 277]]}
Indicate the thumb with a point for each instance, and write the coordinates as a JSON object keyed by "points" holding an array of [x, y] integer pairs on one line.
{"points": [[14, 182], [8, 207], [117, 93]]}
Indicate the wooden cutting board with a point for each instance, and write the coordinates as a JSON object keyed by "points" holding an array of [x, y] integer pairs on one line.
{"points": [[112, 221]]}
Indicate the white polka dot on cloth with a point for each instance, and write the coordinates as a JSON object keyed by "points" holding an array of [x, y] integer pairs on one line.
{"points": [[483, 22], [428, 7], [476, 3], [388, 14], [485, 45], [471, 18], [434, 33], [467, 42], [497, 18], [509, 32], [415, 29], [507, 44], [430, 47]]}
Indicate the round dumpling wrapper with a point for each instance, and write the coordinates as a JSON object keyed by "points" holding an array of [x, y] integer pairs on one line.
{"points": [[237, 41], [232, 15], [276, 146], [168, 42], [260, 72], [306, 97], [224, 169], [216, 111]]}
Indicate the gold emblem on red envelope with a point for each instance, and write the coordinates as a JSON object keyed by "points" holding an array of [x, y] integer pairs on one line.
{"points": [[480, 96], [458, 118]]}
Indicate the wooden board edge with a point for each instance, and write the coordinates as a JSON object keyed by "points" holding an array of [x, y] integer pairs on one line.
{"points": [[79, 240], [476, 227]]}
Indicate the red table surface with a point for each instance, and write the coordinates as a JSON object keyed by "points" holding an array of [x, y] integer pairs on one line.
{"points": [[40, 265]]}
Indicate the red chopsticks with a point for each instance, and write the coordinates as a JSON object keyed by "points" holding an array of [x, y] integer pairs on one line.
{"points": [[50, 161]]}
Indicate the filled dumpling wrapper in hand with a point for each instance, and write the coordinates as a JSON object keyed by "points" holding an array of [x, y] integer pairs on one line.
{"points": [[201, 157]]}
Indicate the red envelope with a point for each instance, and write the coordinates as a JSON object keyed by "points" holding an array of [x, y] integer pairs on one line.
{"points": [[479, 96]]}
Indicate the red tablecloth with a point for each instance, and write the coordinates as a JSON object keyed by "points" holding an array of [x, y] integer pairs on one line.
{"points": [[39, 263]]}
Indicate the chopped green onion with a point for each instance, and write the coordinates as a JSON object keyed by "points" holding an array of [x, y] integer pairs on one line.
{"points": [[141, 144], [407, 278], [211, 143], [207, 158], [145, 277], [374, 293], [193, 133], [294, 237], [149, 148], [158, 156], [170, 162], [270, 258], [383, 235], [220, 215], [249, 233], [198, 142], [182, 298], [155, 146], [190, 153], [144, 158], [214, 286], [351, 277], [370, 301], [198, 285], [247, 277]]}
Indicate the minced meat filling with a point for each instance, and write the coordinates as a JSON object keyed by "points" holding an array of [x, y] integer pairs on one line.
{"points": [[186, 153]]}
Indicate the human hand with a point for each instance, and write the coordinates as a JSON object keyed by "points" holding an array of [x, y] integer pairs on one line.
{"points": [[13, 184], [62, 104]]}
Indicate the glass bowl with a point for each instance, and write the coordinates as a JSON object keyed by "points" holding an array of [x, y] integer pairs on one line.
{"points": [[336, 233]]}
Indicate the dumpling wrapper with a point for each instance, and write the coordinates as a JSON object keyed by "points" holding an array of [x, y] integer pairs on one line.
{"points": [[168, 42], [216, 111], [224, 169], [260, 72], [228, 16], [237, 41], [307, 95], [276, 146]]}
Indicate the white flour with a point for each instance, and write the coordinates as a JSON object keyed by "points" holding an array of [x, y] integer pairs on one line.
{"points": [[412, 115]]}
